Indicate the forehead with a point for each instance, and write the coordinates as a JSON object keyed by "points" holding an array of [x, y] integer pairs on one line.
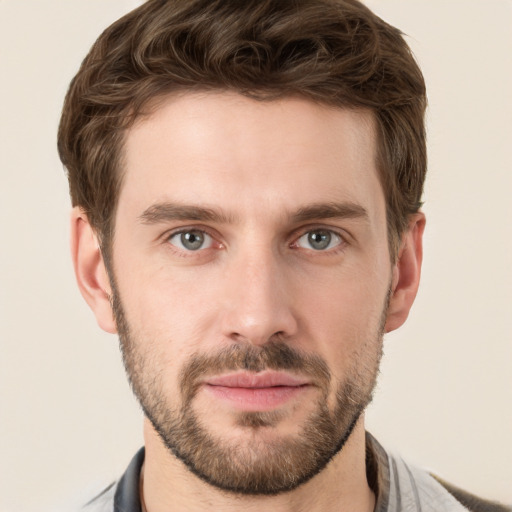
{"points": [[249, 155]]}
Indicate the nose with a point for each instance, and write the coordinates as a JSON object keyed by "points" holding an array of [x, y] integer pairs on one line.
{"points": [[258, 301]]}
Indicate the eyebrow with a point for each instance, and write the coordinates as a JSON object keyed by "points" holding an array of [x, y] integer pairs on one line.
{"points": [[164, 212], [344, 210]]}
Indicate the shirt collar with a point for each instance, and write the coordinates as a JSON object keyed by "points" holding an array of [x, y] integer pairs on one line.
{"points": [[127, 497], [377, 472]]}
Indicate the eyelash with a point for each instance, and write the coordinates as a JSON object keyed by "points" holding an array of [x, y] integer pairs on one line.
{"points": [[188, 229], [340, 243], [342, 236], [339, 247]]}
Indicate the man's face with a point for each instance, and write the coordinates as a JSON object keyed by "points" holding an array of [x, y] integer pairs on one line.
{"points": [[250, 273]]}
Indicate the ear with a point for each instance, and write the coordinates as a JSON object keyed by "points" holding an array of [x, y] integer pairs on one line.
{"points": [[90, 270], [406, 273]]}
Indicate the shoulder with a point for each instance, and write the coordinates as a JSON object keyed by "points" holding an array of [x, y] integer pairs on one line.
{"points": [[103, 502], [472, 502], [122, 495], [430, 493], [402, 487]]}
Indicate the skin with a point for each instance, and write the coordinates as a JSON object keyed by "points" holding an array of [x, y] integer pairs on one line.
{"points": [[256, 164]]}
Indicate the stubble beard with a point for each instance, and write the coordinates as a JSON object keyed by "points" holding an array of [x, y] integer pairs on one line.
{"points": [[256, 465]]}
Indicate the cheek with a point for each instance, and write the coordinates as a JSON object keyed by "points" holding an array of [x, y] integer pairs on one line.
{"points": [[343, 311], [169, 310]]}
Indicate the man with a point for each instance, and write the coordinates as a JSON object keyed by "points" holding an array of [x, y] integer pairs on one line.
{"points": [[246, 180]]}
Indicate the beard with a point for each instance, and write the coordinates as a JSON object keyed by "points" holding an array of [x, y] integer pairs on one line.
{"points": [[254, 464]]}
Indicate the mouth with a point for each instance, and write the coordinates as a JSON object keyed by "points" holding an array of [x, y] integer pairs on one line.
{"points": [[254, 392]]}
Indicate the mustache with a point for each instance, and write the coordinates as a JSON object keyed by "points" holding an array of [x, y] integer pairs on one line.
{"points": [[274, 355]]}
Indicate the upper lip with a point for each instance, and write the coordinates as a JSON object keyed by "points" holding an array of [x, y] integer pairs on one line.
{"points": [[266, 379]]}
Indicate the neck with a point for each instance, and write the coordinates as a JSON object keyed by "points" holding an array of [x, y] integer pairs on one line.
{"points": [[341, 486]]}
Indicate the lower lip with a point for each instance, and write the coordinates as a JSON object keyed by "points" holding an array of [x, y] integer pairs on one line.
{"points": [[257, 399]]}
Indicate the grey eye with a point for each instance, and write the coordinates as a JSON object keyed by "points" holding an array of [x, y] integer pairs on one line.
{"points": [[192, 240], [319, 240]]}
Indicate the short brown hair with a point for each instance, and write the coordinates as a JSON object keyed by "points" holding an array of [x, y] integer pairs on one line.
{"points": [[335, 52]]}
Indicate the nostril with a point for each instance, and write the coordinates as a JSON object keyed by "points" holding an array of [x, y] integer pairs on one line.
{"points": [[278, 336]]}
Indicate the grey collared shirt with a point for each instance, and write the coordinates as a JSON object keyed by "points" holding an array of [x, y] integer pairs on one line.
{"points": [[398, 487]]}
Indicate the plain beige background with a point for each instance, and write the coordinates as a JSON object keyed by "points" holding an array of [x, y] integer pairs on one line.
{"points": [[68, 423]]}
